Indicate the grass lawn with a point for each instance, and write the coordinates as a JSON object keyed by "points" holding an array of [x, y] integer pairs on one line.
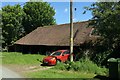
{"points": [[19, 59], [52, 73]]}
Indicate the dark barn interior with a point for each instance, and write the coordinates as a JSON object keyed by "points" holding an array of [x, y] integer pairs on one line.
{"points": [[37, 49], [40, 49]]}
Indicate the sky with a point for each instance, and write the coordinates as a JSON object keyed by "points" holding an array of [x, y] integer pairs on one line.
{"points": [[62, 10]]}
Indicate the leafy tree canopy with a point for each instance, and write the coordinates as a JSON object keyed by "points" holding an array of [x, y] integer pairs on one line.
{"points": [[106, 20], [0, 18], [12, 28], [38, 14]]}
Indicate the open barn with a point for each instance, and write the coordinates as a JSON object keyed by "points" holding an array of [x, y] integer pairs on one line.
{"points": [[50, 38]]}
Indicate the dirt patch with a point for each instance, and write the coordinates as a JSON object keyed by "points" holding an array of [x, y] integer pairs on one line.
{"points": [[14, 67], [26, 68], [37, 68]]}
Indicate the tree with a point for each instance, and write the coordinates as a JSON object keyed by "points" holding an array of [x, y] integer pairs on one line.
{"points": [[106, 21], [0, 18], [1, 41], [38, 14], [12, 28]]}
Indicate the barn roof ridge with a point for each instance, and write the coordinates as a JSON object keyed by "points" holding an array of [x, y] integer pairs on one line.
{"points": [[62, 24]]}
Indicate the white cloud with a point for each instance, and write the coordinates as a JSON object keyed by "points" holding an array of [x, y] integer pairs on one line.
{"points": [[65, 10], [74, 19]]}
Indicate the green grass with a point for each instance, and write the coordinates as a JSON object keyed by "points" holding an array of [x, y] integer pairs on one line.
{"points": [[84, 65], [52, 73], [20, 59], [15, 58]]}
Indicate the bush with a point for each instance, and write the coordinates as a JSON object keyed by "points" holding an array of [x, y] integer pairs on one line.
{"points": [[101, 58], [84, 65], [60, 66]]}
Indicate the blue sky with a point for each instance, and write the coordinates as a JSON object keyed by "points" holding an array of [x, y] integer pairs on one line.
{"points": [[62, 10]]}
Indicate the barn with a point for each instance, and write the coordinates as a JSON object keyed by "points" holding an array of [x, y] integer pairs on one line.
{"points": [[50, 38]]}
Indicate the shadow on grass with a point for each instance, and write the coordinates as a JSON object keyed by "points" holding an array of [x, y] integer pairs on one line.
{"points": [[100, 77], [46, 65]]}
